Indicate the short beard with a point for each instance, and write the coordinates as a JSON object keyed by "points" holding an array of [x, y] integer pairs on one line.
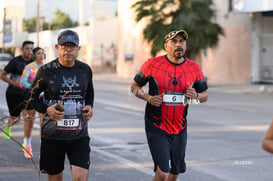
{"points": [[179, 55]]}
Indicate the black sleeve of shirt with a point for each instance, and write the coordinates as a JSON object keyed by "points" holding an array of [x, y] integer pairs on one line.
{"points": [[10, 66], [36, 88], [89, 98], [200, 85], [141, 79]]}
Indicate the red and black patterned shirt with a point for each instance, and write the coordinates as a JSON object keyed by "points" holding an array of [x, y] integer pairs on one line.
{"points": [[169, 78]]}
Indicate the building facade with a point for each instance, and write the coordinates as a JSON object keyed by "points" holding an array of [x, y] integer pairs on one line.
{"points": [[238, 58], [98, 40]]}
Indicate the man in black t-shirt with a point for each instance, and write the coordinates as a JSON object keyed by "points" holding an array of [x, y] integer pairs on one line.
{"points": [[67, 106], [14, 94]]}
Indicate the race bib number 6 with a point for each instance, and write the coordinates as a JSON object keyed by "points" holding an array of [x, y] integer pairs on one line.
{"points": [[174, 98]]}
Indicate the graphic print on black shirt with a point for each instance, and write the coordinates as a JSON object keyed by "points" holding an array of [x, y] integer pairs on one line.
{"points": [[73, 89], [73, 102]]}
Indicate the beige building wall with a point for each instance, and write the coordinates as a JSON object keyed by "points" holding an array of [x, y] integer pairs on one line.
{"points": [[228, 63], [98, 43], [104, 43], [262, 49], [131, 43], [14, 13]]}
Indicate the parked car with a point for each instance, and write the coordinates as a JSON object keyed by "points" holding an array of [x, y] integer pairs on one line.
{"points": [[4, 59]]}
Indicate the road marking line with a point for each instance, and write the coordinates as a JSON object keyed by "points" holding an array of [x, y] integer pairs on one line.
{"points": [[190, 129], [227, 128], [124, 111], [230, 107], [120, 105], [115, 130]]}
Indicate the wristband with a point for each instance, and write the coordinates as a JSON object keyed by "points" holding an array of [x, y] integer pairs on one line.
{"points": [[197, 98], [149, 99]]}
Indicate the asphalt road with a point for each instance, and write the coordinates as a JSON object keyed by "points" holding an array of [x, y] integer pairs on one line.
{"points": [[224, 137]]}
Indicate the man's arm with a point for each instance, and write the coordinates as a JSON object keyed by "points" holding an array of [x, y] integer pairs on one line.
{"points": [[201, 96], [267, 143], [4, 77], [138, 92], [89, 101], [37, 86], [89, 97]]}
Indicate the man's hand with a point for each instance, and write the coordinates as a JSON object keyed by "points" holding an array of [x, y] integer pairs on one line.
{"points": [[54, 113], [17, 83], [156, 100], [190, 92], [87, 113]]}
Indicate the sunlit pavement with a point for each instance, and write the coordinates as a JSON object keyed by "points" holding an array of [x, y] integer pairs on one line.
{"points": [[224, 136]]}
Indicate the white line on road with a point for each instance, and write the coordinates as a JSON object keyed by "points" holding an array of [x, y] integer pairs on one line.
{"points": [[239, 128], [230, 107], [124, 111], [119, 104]]}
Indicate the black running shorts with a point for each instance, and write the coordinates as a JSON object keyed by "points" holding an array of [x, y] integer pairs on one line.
{"points": [[52, 154], [168, 151], [15, 102]]}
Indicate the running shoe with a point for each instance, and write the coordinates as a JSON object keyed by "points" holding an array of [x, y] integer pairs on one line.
{"points": [[8, 131], [23, 146], [27, 150]]}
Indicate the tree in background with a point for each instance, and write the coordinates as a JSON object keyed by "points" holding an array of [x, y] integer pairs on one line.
{"points": [[30, 25], [61, 20], [194, 16]]}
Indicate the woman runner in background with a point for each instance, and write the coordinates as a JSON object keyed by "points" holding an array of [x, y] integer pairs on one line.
{"points": [[26, 80]]}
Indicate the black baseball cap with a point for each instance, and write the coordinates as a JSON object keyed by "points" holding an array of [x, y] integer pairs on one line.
{"points": [[68, 36]]}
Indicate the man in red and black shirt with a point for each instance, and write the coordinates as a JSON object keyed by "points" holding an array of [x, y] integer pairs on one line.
{"points": [[173, 81]]}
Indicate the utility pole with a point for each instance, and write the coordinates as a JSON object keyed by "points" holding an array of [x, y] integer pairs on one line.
{"points": [[3, 30], [38, 21]]}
